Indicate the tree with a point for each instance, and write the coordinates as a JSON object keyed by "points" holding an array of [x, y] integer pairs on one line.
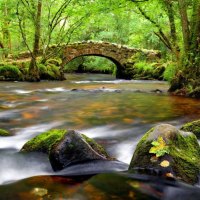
{"points": [[53, 22], [33, 68], [5, 27], [187, 43]]}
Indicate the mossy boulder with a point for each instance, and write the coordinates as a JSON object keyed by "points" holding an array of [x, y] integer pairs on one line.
{"points": [[4, 133], [66, 147], [49, 72], [193, 127], [169, 152], [44, 142], [11, 73], [75, 148]]}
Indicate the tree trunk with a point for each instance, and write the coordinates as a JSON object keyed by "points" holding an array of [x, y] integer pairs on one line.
{"points": [[190, 84], [195, 33], [185, 25], [5, 31], [33, 68], [170, 13]]}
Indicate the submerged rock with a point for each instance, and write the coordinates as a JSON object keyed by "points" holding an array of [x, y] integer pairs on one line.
{"points": [[66, 147], [4, 133], [193, 127], [169, 152]]}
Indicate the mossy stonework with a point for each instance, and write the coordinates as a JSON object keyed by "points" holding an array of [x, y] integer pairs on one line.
{"points": [[4, 133], [193, 127], [172, 152]]}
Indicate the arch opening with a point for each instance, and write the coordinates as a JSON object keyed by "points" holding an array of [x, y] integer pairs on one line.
{"points": [[93, 63]]}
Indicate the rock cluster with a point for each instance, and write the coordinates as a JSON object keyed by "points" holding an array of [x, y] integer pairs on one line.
{"points": [[163, 151]]}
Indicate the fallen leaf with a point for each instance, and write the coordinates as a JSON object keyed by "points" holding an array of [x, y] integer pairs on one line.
{"points": [[170, 175], [165, 163]]}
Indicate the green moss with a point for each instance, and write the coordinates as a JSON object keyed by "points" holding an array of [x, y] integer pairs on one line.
{"points": [[49, 72], [185, 151], [11, 72], [98, 148], [44, 142], [42, 69], [4, 133], [54, 61], [193, 127], [170, 71], [142, 151], [183, 154]]}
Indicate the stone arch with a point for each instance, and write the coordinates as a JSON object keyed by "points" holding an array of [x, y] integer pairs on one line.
{"points": [[118, 54]]}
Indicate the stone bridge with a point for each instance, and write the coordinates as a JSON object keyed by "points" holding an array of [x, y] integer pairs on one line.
{"points": [[120, 55]]}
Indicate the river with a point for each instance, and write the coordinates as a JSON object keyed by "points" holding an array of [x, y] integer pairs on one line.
{"points": [[116, 113]]}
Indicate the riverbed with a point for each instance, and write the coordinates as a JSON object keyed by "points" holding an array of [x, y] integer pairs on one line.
{"points": [[116, 113]]}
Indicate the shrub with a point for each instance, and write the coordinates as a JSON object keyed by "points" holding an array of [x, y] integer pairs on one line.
{"points": [[50, 72], [170, 71], [42, 69], [54, 61], [143, 66]]}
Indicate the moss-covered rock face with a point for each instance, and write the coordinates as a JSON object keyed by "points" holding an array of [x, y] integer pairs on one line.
{"points": [[44, 142], [75, 148], [65, 148], [193, 127], [10, 73], [4, 133], [170, 152]]}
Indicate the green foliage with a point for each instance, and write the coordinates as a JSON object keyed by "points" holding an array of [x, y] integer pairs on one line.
{"points": [[143, 66], [91, 64], [42, 69], [99, 64], [170, 71], [159, 147], [54, 61], [50, 72], [148, 70]]}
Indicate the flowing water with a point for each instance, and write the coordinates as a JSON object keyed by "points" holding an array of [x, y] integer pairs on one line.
{"points": [[114, 112]]}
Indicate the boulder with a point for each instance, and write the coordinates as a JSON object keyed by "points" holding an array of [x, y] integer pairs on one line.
{"points": [[169, 152], [43, 142], [75, 148], [193, 127], [66, 147], [4, 133]]}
